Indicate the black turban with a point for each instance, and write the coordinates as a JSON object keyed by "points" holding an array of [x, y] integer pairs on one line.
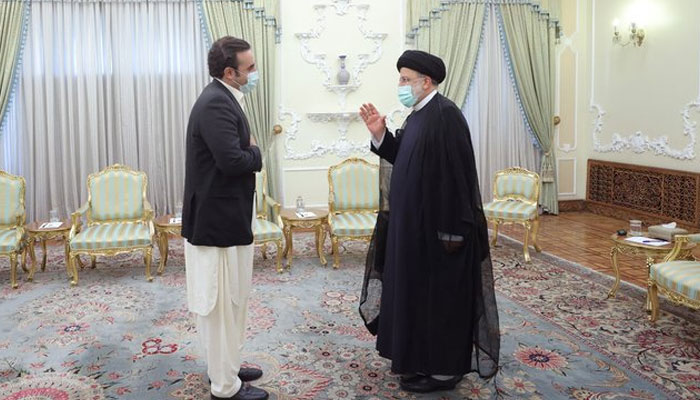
{"points": [[424, 63]]}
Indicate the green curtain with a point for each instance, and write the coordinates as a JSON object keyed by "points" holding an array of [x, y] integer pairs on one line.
{"points": [[256, 22], [11, 23], [436, 35], [530, 37]]}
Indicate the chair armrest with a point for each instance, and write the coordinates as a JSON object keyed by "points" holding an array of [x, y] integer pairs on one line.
{"points": [[76, 221], [276, 208], [148, 212], [680, 241]]}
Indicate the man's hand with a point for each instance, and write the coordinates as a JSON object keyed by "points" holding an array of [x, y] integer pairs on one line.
{"points": [[375, 122], [252, 141]]}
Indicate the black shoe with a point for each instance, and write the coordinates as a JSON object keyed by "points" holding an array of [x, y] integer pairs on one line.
{"points": [[427, 384], [249, 374], [410, 378], [246, 392]]}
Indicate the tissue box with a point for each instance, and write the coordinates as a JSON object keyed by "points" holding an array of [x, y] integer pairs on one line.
{"points": [[660, 232]]}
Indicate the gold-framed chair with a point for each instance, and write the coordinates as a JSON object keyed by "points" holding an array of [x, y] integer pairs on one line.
{"points": [[265, 231], [678, 280], [353, 202], [119, 218], [516, 193], [12, 219]]}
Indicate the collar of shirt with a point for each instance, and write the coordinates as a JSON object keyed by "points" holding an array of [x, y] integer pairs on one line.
{"points": [[237, 94], [425, 101]]}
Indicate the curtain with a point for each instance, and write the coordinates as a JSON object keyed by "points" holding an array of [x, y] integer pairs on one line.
{"points": [[256, 22], [12, 20], [530, 38], [106, 82], [500, 136], [437, 36]]}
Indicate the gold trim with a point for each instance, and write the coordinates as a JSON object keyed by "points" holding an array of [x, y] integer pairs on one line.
{"points": [[86, 210], [531, 225], [335, 238], [268, 201], [20, 219]]}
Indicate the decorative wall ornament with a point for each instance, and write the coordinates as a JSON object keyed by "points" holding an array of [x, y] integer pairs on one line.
{"points": [[342, 8], [640, 143], [341, 147], [396, 117]]}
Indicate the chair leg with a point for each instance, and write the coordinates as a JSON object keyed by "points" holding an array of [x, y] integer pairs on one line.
{"points": [[526, 250], [654, 299], [13, 271], [74, 267], [264, 251], [535, 230], [336, 253], [279, 256], [93, 262], [495, 233], [148, 253]]}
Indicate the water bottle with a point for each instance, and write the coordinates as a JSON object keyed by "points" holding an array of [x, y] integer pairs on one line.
{"points": [[300, 204]]}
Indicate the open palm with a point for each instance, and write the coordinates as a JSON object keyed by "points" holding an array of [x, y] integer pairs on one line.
{"points": [[376, 123]]}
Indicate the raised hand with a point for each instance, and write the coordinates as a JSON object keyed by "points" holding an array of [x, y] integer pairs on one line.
{"points": [[375, 122]]}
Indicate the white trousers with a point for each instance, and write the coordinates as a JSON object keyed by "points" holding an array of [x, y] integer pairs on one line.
{"points": [[222, 330]]}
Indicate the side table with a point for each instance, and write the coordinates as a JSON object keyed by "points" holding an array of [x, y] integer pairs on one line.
{"points": [[36, 232], [319, 223], [165, 227], [652, 254]]}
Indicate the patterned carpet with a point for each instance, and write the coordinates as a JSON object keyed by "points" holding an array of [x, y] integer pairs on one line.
{"points": [[117, 336]]}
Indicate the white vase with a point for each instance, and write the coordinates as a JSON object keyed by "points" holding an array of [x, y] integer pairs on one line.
{"points": [[343, 75]]}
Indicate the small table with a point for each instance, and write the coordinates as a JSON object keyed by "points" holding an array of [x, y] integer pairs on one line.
{"points": [[163, 228], [291, 221], [652, 253], [35, 231]]}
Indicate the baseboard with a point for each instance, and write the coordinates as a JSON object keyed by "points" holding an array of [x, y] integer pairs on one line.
{"points": [[572, 205]]}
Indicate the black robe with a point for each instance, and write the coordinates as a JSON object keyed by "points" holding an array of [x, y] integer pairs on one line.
{"points": [[437, 313]]}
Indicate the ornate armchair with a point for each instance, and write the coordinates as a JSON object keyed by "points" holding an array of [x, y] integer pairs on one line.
{"points": [[119, 218], [516, 193], [12, 218], [353, 202], [266, 232], [676, 279]]}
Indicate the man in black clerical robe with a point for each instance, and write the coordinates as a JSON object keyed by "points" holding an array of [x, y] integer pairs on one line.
{"points": [[428, 291]]}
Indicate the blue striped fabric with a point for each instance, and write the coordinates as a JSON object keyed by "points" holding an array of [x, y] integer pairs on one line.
{"points": [[10, 191], [116, 195], [680, 276], [9, 240], [516, 184], [355, 187], [266, 230], [259, 199], [510, 209], [112, 236], [353, 224]]}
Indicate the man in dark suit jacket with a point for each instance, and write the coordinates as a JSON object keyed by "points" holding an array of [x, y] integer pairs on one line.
{"points": [[217, 216]]}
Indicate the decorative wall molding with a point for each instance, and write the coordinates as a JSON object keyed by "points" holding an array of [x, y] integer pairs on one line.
{"points": [[638, 142], [341, 147], [559, 161], [396, 117], [319, 60]]}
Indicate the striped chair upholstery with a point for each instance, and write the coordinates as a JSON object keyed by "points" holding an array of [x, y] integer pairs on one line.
{"points": [[116, 195], [112, 236], [10, 240], [354, 224], [12, 216], [353, 201], [119, 218], [679, 280], [516, 193], [265, 231]]}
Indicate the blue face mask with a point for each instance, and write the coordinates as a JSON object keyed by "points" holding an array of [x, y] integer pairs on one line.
{"points": [[253, 79], [406, 96]]}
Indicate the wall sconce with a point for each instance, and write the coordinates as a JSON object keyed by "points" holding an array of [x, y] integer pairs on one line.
{"points": [[636, 35]]}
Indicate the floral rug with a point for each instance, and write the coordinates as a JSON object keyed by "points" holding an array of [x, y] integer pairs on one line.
{"points": [[116, 336]]}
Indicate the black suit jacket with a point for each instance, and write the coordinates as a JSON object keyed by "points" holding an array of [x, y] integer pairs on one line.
{"points": [[220, 171]]}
